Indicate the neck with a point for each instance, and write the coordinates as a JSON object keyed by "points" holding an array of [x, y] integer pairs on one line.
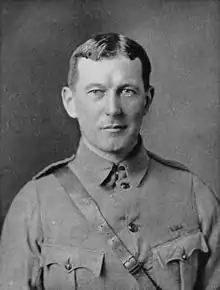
{"points": [[114, 157]]}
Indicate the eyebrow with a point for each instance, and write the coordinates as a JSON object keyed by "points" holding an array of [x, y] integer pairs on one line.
{"points": [[92, 85]]}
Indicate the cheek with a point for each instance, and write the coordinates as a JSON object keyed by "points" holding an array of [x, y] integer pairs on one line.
{"points": [[87, 114], [81, 107], [135, 111]]}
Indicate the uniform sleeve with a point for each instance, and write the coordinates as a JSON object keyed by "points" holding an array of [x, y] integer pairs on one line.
{"points": [[208, 206], [19, 248]]}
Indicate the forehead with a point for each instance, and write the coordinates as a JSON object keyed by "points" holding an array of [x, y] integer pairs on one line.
{"points": [[114, 69]]}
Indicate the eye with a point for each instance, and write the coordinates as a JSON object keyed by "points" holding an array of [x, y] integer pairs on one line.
{"points": [[96, 93], [128, 92]]}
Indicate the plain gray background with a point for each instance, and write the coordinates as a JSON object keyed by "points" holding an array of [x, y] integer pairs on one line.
{"points": [[37, 38]]}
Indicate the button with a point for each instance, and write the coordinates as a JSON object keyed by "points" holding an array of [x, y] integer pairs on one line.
{"points": [[184, 256], [133, 227], [125, 185], [122, 172], [121, 168], [68, 266]]}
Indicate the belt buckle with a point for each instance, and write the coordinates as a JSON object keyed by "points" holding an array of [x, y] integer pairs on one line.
{"points": [[132, 265]]}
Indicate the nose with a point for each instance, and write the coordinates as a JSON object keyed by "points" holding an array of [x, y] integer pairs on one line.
{"points": [[113, 104]]}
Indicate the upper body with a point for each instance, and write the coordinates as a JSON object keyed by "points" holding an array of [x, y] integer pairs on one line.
{"points": [[163, 214]]}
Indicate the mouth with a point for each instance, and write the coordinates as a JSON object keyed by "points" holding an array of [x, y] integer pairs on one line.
{"points": [[114, 128]]}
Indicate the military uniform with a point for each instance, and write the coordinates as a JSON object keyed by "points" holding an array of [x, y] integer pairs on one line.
{"points": [[164, 215]]}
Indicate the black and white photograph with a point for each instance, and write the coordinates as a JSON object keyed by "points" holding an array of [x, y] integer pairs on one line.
{"points": [[110, 145]]}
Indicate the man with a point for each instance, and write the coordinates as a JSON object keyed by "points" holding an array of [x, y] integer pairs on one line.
{"points": [[115, 216]]}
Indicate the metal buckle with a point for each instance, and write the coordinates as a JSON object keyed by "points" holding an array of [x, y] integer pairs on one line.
{"points": [[132, 265]]}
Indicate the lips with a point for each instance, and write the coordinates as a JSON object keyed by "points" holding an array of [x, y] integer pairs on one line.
{"points": [[114, 127]]}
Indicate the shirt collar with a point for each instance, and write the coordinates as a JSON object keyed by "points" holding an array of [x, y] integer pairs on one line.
{"points": [[137, 163], [96, 169]]}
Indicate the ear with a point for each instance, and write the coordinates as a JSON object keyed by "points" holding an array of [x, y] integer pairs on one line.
{"points": [[149, 95], [69, 102]]}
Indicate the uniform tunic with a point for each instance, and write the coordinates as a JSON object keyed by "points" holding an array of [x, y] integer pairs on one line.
{"points": [[164, 214]]}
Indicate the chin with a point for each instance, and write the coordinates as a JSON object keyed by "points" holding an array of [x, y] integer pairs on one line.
{"points": [[116, 147]]}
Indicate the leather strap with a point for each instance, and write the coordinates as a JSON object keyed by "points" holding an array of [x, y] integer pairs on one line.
{"points": [[90, 209]]}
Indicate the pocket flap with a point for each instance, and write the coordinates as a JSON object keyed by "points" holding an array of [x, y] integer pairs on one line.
{"points": [[180, 249], [73, 258]]}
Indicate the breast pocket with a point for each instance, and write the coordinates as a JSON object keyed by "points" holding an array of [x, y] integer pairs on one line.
{"points": [[175, 263], [71, 268]]}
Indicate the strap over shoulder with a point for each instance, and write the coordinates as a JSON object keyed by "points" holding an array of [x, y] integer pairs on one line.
{"points": [[89, 208], [53, 167]]}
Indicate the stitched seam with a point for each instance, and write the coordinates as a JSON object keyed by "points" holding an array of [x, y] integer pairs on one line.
{"points": [[195, 205], [39, 211], [176, 239]]}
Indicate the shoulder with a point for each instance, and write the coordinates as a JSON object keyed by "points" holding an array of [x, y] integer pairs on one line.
{"points": [[43, 182], [42, 186], [178, 173], [207, 201], [167, 163], [51, 168], [170, 174], [46, 185], [43, 179]]}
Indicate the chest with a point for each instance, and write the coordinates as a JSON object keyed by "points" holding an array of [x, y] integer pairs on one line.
{"points": [[157, 225]]}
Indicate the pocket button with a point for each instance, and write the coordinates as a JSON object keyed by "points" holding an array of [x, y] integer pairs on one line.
{"points": [[184, 256], [125, 185], [68, 265], [133, 227]]}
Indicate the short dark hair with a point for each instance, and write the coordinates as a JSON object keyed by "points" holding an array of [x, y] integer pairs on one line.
{"points": [[109, 45]]}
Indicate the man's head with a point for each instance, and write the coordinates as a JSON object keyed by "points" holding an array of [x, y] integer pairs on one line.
{"points": [[105, 46], [109, 92]]}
